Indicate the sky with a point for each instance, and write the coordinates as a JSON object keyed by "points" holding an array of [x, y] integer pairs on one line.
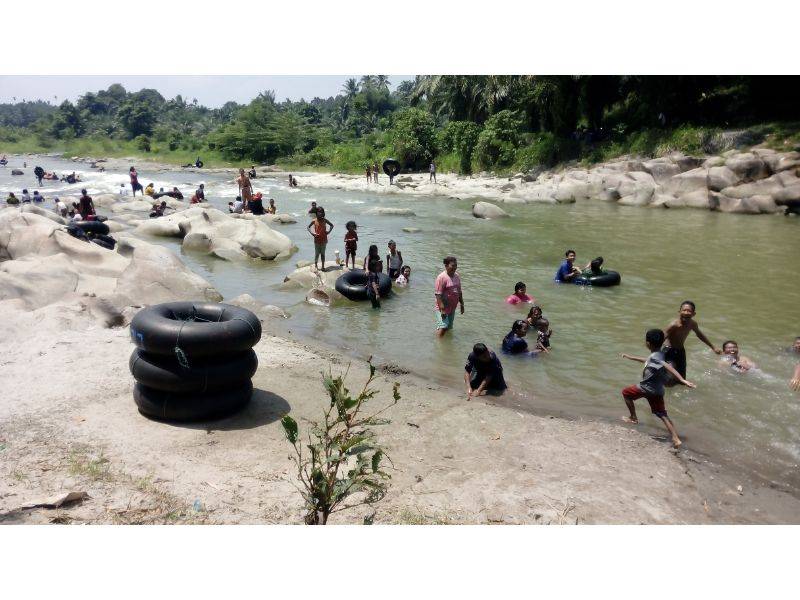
{"points": [[210, 90]]}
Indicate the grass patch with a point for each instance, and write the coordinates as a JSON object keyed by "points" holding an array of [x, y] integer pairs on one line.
{"points": [[95, 468]]}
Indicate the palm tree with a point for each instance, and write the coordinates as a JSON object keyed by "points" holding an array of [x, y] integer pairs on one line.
{"points": [[382, 81], [350, 88], [367, 81]]}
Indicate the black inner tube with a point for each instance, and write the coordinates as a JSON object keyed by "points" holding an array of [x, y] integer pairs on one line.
{"points": [[391, 167], [607, 279], [353, 284]]}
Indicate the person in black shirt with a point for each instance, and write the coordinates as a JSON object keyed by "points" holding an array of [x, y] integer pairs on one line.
{"points": [[483, 372]]}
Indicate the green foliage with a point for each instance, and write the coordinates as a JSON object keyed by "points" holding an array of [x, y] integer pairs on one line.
{"points": [[413, 138], [460, 138], [143, 143], [137, 117], [497, 143], [341, 465]]}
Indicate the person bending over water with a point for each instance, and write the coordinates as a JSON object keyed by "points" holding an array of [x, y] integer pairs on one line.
{"points": [[676, 334], [320, 234], [731, 358], [447, 290], [567, 272], [483, 372], [656, 371], [520, 296]]}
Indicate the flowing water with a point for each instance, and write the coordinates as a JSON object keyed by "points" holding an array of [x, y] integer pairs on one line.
{"points": [[741, 271]]}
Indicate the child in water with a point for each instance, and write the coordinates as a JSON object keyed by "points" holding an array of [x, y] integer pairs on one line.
{"points": [[676, 334], [731, 358], [543, 333], [350, 242], [374, 265], [654, 376], [405, 276], [520, 296]]}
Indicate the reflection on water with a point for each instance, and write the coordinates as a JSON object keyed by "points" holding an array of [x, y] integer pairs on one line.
{"points": [[740, 270]]}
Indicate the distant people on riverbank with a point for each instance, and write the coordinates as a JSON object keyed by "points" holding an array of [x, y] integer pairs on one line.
{"points": [[432, 170], [245, 189], [375, 171], [135, 185], [26, 197], [123, 191], [272, 209], [369, 174], [256, 204], [733, 360], [237, 206], [405, 276], [394, 260], [292, 181], [520, 296], [252, 172], [447, 291], [37, 197], [654, 377], [59, 207], [85, 205], [12, 199], [373, 265], [319, 230], [350, 243], [200, 192], [676, 334], [567, 272], [483, 372], [39, 173]]}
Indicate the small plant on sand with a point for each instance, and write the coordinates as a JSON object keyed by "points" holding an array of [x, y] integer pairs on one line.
{"points": [[340, 466]]}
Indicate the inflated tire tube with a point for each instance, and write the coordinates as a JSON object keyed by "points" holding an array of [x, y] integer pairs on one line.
{"points": [[607, 279], [171, 406], [165, 374], [391, 167], [353, 284], [222, 329], [103, 243], [92, 227], [199, 164]]}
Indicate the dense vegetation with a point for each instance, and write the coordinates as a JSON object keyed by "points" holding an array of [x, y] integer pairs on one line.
{"points": [[467, 123]]}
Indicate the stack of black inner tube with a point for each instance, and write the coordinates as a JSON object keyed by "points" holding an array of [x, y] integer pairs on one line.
{"points": [[193, 360]]}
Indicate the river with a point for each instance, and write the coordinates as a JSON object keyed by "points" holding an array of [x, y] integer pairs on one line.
{"points": [[740, 270]]}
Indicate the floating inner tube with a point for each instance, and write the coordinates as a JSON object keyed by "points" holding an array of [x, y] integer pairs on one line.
{"points": [[195, 329], [92, 227], [172, 406], [391, 167], [39, 172], [199, 164], [103, 243], [607, 279], [353, 285], [3, 162]]}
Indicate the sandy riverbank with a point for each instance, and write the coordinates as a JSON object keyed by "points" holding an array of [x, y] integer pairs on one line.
{"points": [[68, 422]]}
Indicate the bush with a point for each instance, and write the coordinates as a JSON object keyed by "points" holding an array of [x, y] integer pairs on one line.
{"points": [[547, 149], [497, 143], [460, 138], [142, 143], [413, 137]]}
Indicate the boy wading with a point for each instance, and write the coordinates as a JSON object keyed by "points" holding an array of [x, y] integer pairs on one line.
{"points": [[448, 295]]}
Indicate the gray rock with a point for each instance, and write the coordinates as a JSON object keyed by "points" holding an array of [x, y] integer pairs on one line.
{"points": [[747, 166], [486, 210], [17, 172], [662, 169], [770, 185], [260, 309], [720, 178]]}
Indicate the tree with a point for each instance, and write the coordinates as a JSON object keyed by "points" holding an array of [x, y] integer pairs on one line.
{"points": [[498, 142], [137, 117], [413, 136], [341, 465], [461, 137]]}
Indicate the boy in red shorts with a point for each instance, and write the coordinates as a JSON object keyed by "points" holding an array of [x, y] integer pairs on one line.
{"points": [[655, 373]]}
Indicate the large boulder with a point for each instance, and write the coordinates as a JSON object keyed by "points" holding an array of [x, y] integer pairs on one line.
{"points": [[737, 205], [486, 210], [699, 198], [662, 169], [721, 177], [17, 172], [783, 161], [262, 310], [637, 190], [694, 179], [308, 277], [747, 166], [771, 185], [212, 231], [684, 162], [43, 212]]}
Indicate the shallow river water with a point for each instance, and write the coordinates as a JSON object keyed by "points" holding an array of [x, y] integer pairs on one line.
{"points": [[740, 270]]}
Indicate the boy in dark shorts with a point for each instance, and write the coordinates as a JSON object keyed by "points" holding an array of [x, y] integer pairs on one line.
{"points": [[656, 370], [676, 334]]}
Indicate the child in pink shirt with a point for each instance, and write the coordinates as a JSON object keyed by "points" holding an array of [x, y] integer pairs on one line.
{"points": [[519, 296]]}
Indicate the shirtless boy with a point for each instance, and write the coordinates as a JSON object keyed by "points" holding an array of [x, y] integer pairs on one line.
{"points": [[676, 334]]}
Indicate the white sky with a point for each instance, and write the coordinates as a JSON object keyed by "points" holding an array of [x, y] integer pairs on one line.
{"points": [[210, 90]]}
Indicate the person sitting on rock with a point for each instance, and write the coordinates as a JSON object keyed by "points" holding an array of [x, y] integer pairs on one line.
{"points": [[201, 192], [256, 204], [149, 190], [12, 199], [236, 207], [158, 209]]}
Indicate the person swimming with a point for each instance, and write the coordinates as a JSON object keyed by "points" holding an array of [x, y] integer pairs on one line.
{"points": [[731, 358], [520, 296]]}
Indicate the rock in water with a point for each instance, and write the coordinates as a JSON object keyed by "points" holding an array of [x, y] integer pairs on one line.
{"points": [[487, 210]]}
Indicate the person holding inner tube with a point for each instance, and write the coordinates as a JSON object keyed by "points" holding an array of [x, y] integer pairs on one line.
{"points": [[567, 272], [447, 291], [318, 228]]}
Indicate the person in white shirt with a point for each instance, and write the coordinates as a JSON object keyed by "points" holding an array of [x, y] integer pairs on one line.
{"points": [[405, 276], [60, 207], [237, 206], [122, 190]]}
